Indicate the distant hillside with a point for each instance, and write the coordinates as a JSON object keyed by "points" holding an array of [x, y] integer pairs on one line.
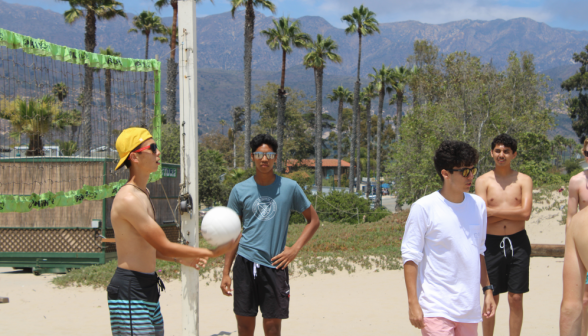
{"points": [[220, 49]]}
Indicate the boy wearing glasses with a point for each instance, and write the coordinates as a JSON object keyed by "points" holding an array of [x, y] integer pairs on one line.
{"points": [[509, 196], [443, 250], [578, 198], [264, 202], [133, 292]]}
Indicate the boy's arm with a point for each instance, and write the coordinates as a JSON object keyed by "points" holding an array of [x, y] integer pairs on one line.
{"points": [[153, 234], [283, 259], [519, 213], [572, 200], [415, 312], [489, 305], [197, 263], [481, 189]]}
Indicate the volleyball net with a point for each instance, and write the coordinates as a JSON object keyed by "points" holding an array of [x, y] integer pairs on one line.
{"points": [[61, 110]]}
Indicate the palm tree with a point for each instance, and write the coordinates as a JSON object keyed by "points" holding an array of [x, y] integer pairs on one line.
{"points": [[383, 80], [223, 123], [247, 57], [108, 93], [284, 36], [237, 115], [146, 23], [172, 66], [90, 11], [35, 118], [400, 78], [60, 91], [388, 118], [321, 51], [368, 93], [343, 96], [363, 22]]}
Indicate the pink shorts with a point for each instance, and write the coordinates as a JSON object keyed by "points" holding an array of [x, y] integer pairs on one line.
{"points": [[439, 326]]}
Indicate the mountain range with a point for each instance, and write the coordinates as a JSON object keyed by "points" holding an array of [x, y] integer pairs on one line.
{"points": [[220, 49]]}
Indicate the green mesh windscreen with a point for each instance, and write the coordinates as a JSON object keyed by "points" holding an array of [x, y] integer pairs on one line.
{"points": [[61, 110]]}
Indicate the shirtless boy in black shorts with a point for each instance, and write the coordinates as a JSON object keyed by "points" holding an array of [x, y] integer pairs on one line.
{"points": [[508, 195]]}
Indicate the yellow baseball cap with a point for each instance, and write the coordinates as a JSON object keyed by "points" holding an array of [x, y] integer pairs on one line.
{"points": [[128, 140]]}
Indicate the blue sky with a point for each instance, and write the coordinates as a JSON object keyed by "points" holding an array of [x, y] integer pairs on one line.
{"points": [[569, 14]]}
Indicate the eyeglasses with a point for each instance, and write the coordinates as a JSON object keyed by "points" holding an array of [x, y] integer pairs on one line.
{"points": [[269, 155], [152, 146], [465, 172], [585, 153]]}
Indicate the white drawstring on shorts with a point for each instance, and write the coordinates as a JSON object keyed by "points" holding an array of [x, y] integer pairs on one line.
{"points": [[255, 267], [503, 246]]}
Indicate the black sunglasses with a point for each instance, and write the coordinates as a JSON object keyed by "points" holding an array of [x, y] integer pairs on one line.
{"points": [[585, 153], [465, 172], [269, 155], [152, 146]]}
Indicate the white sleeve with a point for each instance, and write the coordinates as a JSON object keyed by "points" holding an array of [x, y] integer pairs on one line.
{"points": [[482, 240], [415, 229]]}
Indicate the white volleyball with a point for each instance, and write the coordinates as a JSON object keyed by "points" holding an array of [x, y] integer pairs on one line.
{"points": [[220, 225]]}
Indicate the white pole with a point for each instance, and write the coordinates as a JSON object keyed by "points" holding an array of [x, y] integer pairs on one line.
{"points": [[189, 155]]}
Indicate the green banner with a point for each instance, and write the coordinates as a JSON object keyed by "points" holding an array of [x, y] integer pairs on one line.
{"points": [[40, 47]]}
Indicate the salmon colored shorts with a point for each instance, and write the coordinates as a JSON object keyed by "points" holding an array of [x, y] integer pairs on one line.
{"points": [[439, 326]]}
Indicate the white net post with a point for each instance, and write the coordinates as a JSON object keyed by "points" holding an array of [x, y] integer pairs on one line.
{"points": [[189, 155]]}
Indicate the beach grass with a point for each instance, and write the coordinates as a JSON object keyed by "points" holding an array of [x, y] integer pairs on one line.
{"points": [[334, 247]]}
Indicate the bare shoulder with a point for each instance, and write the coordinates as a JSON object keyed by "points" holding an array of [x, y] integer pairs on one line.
{"points": [[524, 178], [485, 178], [578, 178], [125, 199]]}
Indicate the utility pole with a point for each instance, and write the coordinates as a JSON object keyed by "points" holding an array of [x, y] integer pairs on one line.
{"points": [[189, 157]]}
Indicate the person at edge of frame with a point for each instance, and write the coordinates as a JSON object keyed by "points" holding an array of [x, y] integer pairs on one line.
{"points": [[509, 199], [134, 290], [443, 250], [578, 198], [260, 272]]}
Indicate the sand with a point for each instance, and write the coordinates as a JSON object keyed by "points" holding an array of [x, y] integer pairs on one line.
{"points": [[368, 302]]}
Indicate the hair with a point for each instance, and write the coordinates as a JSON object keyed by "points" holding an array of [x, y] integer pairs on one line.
{"points": [[263, 139], [454, 154], [127, 162], [505, 140], [585, 144]]}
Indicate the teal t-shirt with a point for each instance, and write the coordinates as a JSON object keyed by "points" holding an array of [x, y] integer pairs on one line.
{"points": [[266, 214]]}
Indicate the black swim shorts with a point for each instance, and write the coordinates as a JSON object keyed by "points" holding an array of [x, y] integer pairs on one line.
{"points": [[133, 301], [257, 285], [507, 260]]}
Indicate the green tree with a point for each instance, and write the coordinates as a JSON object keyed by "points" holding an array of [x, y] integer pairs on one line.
{"points": [[342, 95], [34, 118], [363, 22], [67, 148], [223, 123], [284, 36], [383, 80], [368, 94], [578, 106], [108, 93], [90, 11], [146, 23], [60, 91], [237, 113], [211, 166], [400, 77], [247, 58], [170, 143], [320, 51]]}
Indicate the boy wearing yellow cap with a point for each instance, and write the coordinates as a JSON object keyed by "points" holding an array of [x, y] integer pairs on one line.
{"points": [[133, 292]]}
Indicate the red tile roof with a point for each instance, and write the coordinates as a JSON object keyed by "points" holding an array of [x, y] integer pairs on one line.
{"points": [[310, 163]]}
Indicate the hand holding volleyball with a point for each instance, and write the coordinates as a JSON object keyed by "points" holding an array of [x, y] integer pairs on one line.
{"points": [[220, 225]]}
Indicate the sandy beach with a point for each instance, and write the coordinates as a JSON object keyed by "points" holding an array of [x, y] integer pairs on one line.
{"points": [[367, 302]]}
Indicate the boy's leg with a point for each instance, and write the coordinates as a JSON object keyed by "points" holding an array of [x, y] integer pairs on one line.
{"points": [[518, 280], [585, 310], [245, 325], [272, 327], [515, 301], [488, 323], [244, 296], [438, 326]]}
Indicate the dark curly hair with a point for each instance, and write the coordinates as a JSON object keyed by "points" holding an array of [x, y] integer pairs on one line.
{"points": [[505, 140], [454, 154], [263, 139]]}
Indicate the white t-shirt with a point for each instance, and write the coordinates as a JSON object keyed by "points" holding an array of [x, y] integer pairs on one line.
{"points": [[446, 240]]}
